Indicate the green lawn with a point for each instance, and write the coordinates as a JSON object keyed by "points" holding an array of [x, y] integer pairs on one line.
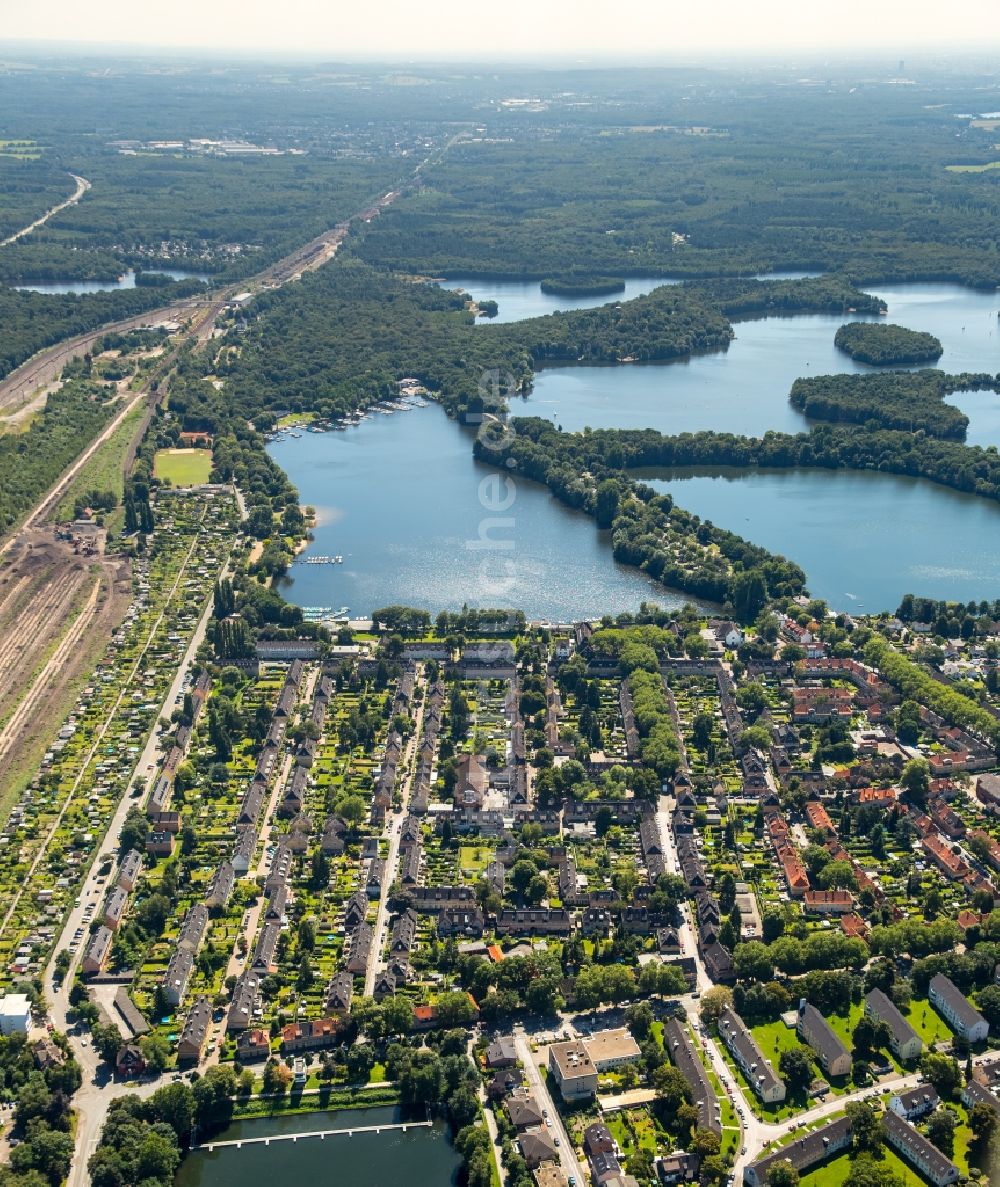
{"points": [[973, 168], [927, 1022], [474, 858], [183, 467], [834, 1172]]}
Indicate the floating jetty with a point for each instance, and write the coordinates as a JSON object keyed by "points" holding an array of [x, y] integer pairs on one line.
{"points": [[324, 560], [315, 1133]]}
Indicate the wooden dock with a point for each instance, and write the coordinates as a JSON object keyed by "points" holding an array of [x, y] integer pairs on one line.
{"points": [[315, 1133]]}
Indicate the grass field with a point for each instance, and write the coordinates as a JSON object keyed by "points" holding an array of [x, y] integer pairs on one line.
{"points": [[927, 1023], [834, 1172], [183, 467], [106, 469], [474, 858], [973, 168]]}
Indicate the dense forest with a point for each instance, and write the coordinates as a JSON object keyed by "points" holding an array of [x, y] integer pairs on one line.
{"points": [[971, 469], [784, 177], [31, 462], [892, 400], [582, 286], [32, 321], [300, 353], [884, 345], [675, 547]]}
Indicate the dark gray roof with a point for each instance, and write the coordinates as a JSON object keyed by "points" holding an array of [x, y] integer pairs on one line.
{"points": [[922, 1098], [822, 1037], [960, 1005], [910, 1141], [682, 1052], [735, 1035], [886, 1010], [806, 1151]]}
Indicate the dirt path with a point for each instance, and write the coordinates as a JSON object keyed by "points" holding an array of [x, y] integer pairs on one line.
{"points": [[82, 185]]}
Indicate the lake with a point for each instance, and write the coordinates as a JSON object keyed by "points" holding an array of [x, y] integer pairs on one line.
{"points": [[126, 281], [401, 499], [519, 299], [864, 539], [398, 495], [745, 388], [376, 1160]]}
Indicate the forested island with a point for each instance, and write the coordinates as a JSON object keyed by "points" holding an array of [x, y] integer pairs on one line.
{"points": [[893, 400], [583, 286], [885, 345]]}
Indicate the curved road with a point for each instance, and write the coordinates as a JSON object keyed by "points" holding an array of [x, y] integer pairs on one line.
{"points": [[82, 185]]}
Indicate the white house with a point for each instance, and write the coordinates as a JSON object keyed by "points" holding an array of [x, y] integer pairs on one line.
{"points": [[15, 1014]]}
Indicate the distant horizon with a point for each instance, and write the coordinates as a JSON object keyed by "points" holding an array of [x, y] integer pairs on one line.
{"points": [[523, 31], [787, 56]]}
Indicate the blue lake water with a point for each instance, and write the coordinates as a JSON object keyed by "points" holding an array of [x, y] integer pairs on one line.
{"points": [[126, 281], [864, 539], [418, 522], [399, 495], [422, 1156]]}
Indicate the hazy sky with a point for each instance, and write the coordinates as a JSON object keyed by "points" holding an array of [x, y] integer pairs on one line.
{"points": [[484, 29]]}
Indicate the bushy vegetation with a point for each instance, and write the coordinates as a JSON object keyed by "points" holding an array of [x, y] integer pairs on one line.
{"points": [[882, 344], [31, 462], [893, 400]]}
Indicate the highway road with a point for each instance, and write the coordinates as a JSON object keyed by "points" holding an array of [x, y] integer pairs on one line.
{"points": [[82, 185]]}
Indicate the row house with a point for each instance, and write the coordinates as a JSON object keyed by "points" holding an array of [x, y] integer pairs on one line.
{"points": [[523, 921], [427, 900], [760, 1075], [265, 954], [949, 863], [684, 1057], [361, 945], [627, 811], [220, 888], [814, 1029], [159, 797], [332, 842], [570, 891], [159, 843], [294, 798], [904, 1041], [114, 908], [915, 1102], [253, 1046], [818, 817], [280, 869], [404, 934], [957, 1010], [129, 870], [246, 992], [193, 1036], [244, 849], [821, 705], [97, 951], [802, 1153], [461, 921], [828, 902], [193, 927], [339, 993], [920, 1153], [596, 921], [177, 976], [356, 910], [632, 740], [250, 807], [317, 1034]]}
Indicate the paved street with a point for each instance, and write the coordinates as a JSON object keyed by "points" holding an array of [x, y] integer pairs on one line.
{"points": [[540, 1091]]}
